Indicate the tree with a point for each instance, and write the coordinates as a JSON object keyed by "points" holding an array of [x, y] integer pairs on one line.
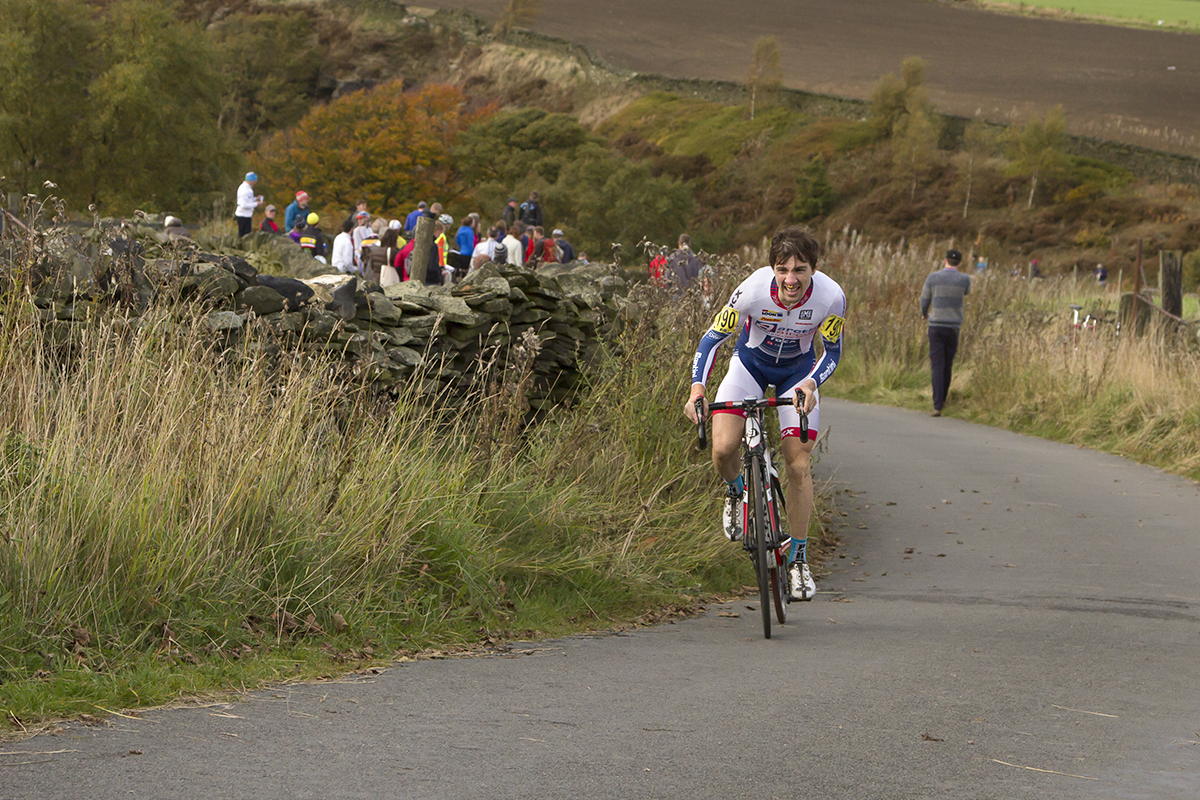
{"points": [[814, 194], [610, 200], [766, 76], [46, 61], [914, 144], [383, 144], [517, 13], [1037, 149], [269, 72], [152, 113], [979, 142], [894, 97]]}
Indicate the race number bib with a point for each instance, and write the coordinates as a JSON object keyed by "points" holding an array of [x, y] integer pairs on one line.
{"points": [[831, 328], [726, 321]]}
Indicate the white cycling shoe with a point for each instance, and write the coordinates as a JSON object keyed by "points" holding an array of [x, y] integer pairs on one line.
{"points": [[803, 586], [731, 516]]}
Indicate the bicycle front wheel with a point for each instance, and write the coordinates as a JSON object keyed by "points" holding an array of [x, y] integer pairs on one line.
{"points": [[758, 495]]}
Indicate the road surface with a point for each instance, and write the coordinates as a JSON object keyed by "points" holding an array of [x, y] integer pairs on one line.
{"points": [[1008, 618]]}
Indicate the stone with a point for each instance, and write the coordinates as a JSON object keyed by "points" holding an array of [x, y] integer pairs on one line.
{"points": [[295, 292], [224, 321], [262, 300], [380, 309]]}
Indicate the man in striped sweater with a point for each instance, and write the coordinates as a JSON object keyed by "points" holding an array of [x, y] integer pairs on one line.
{"points": [[942, 304]]}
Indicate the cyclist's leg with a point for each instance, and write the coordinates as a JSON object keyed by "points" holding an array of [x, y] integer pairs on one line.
{"points": [[728, 425], [727, 435], [797, 457]]}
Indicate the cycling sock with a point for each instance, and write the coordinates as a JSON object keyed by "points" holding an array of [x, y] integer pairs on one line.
{"points": [[737, 486], [799, 550]]}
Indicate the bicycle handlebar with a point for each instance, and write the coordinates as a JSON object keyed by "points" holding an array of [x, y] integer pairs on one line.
{"points": [[749, 404]]}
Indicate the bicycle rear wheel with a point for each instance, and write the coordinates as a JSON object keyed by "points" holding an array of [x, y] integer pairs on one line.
{"points": [[761, 553]]}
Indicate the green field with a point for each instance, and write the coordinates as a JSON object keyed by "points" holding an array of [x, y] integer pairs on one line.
{"points": [[1167, 13]]}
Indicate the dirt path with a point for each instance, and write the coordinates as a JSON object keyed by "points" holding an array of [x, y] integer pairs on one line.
{"points": [[1136, 86]]}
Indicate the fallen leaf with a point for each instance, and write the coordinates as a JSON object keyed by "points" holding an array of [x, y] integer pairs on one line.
{"points": [[728, 614], [929, 738]]}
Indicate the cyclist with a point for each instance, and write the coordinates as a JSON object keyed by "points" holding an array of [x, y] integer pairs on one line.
{"points": [[778, 310]]}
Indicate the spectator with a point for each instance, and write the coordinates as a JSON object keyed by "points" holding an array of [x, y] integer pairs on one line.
{"points": [[1101, 274], [247, 202], [410, 222], [311, 238], [657, 268], [530, 212], [297, 230], [343, 249], [361, 233], [541, 250], [683, 266], [361, 205], [444, 221], [942, 304], [297, 208], [390, 244], [433, 275], [513, 246], [269, 225], [582, 258], [485, 251], [174, 229], [465, 242], [509, 214], [500, 256], [566, 253]]}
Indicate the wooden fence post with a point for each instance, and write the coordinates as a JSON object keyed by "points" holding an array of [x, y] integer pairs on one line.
{"points": [[1170, 280], [418, 261]]}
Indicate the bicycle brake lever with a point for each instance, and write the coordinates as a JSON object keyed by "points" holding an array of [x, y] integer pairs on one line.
{"points": [[702, 439]]}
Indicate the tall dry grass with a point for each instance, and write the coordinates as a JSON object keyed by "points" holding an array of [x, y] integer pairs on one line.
{"points": [[1019, 365], [167, 500]]}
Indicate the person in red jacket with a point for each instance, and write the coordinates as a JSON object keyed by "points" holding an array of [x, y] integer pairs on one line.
{"points": [[269, 223]]}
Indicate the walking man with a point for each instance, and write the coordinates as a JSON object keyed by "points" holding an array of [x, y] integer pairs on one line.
{"points": [[942, 304]]}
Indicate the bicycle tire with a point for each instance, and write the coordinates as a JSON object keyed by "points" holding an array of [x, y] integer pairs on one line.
{"points": [[758, 496]]}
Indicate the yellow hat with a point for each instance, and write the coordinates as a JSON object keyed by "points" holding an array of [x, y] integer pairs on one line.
{"points": [[313, 219]]}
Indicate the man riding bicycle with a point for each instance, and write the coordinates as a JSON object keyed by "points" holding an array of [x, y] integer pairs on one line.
{"points": [[779, 310]]}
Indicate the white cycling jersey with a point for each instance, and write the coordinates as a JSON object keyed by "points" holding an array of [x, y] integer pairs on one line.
{"points": [[777, 341]]}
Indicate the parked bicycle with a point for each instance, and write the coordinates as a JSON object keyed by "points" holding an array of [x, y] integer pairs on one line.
{"points": [[764, 537]]}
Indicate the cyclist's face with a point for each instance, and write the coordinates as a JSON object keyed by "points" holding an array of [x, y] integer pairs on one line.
{"points": [[792, 277]]}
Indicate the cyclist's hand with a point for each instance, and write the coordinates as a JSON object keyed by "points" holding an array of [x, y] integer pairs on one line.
{"points": [[807, 387], [689, 408]]}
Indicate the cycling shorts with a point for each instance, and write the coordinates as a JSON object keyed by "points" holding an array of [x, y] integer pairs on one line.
{"points": [[741, 382]]}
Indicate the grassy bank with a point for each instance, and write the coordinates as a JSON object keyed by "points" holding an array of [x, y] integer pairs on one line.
{"points": [[1019, 366], [178, 518]]}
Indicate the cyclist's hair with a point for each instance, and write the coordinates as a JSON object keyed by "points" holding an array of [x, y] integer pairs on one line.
{"points": [[795, 241]]}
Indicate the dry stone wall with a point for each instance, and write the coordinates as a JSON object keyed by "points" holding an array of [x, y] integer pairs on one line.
{"points": [[437, 339]]}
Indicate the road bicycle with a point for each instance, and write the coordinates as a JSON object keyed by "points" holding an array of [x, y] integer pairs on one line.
{"points": [[764, 536]]}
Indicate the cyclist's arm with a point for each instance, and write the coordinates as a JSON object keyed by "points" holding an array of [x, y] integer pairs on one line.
{"points": [[831, 340], [724, 325]]}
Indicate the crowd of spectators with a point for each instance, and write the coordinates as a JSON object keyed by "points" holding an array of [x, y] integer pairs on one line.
{"points": [[379, 249]]}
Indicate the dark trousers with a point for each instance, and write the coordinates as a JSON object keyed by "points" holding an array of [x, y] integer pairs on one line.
{"points": [[244, 225], [943, 344]]}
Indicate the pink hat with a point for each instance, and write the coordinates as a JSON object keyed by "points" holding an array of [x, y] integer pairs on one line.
{"points": [[301, 195]]}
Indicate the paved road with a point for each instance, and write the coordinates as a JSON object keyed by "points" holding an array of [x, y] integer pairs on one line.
{"points": [[1012, 619], [1117, 83]]}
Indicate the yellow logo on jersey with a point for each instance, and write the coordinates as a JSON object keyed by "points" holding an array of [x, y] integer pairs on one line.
{"points": [[831, 328], [726, 321]]}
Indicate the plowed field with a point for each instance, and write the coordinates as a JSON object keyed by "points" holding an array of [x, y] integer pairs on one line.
{"points": [[1124, 84]]}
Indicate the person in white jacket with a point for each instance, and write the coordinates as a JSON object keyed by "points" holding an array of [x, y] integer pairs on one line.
{"points": [[343, 249], [247, 202]]}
